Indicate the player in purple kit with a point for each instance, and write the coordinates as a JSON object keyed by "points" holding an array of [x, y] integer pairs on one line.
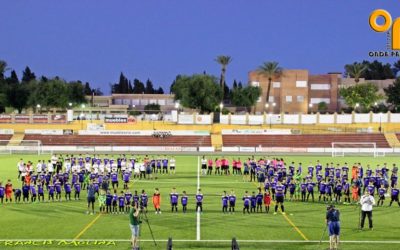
{"points": [[126, 177], [199, 201], [25, 193], [280, 190], [381, 193], [77, 188], [121, 202], [67, 189], [394, 196], [51, 191], [114, 180], [165, 165], [246, 202], [303, 189], [253, 203], [143, 201], [33, 193], [232, 202], [224, 200], [40, 192], [17, 195], [109, 199], [310, 190], [2, 192], [57, 186], [173, 196], [184, 201], [128, 198], [338, 195], [114, 202]]}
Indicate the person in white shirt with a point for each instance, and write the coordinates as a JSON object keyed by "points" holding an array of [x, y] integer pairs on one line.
{"points": [[204, 165], [39, 167], [50, 168], [172, 165], [67, 166], [366, 201], [20, 166]]}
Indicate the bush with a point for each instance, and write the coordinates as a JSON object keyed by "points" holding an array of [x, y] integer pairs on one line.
{"points": [[152, 108]]}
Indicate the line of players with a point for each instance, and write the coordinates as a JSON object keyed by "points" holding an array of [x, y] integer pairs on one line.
{"points": [[63, 176], [332, 183]]}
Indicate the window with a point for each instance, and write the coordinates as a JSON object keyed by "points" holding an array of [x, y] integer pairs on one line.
{"points": [[135, 102], [301, 84], [288, 98], [318, 100], [276, 85], [321, 86], [259, 99], [255, 84], [126, 101], [300, 98], [161, 102], [144, 101], [271, 99]]}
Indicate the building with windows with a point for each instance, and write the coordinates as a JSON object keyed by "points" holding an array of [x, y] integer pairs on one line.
{"points": [[297, 91], [126, 102]]}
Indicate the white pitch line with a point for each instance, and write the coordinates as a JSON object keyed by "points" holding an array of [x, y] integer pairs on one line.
{"points": [[181, 240], [198, 212]]}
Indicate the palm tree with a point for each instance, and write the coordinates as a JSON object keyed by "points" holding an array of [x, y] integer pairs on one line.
{"points": [[3, 68], [223, 61], [356, 70], [269, 69]]}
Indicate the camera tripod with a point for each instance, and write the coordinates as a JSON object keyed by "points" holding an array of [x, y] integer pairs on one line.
{"points": [[143, 216]]}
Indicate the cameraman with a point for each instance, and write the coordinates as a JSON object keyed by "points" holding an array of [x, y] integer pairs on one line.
{"points": [[366, 201], [134, 224], [333, 224]]}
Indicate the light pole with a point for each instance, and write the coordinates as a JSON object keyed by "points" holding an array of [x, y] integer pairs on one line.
{"points": [[310, 106], [356, 107], [221, 106], [270, 120], [38, 108], [82, 111], [380, 122]]}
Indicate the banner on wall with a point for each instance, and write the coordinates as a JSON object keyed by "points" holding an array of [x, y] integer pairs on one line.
{"points": [[58, 119], [5, 118], [40, 119], [144, 132], [44, 131], [256, 132], [22, 118], [116, 119]]}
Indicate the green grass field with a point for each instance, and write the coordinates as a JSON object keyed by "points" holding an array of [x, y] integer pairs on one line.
{"points": [[55, 225]]}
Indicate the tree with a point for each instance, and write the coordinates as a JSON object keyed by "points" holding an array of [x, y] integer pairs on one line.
{"points": [[160, 91], [13, 79], [138, 87], [17, 96], [3, 69], [269, 69], [240, 85], [356, 70], [149, 87], [28, 75], [245, 97], [393, 94], [322, 107], [77, 92], [234, 85], [223, 61], [396, 68], [87, 90], [198, 91], [374, 70], [365, 94], [152, 108]]}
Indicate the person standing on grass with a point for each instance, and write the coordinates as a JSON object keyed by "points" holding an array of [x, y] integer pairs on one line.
{"points": [[199, 201], [394, 196], [267, 200], [9, 190], [367, 201], [232, 202], [90, 197], [134, 223], [333, 224], [203, 165], [279, 193], [157, 201], [224, 199]]}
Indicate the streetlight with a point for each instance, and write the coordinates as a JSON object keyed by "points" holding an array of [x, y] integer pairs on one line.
{"points": [[356, 106], [70, 104], [270, 120], [221, 106], [38, 107], [267, 105], [380, 122]]}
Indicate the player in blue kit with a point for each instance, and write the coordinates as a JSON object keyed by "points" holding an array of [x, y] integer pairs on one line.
{"points": [[77, 188], [279, 192], [199, 201], [121, 202], [17, 195], [246, 202], [310, 190], [174, 200], [259, 200], [224, 200], [333, 224], [109, 199]]}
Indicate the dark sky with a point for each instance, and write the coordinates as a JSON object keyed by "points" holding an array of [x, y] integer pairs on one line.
{"points": [[94, 40]]}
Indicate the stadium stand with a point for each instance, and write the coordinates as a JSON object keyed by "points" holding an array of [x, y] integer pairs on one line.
{"points": [[302, 141], [98, 140], [4, 139]]}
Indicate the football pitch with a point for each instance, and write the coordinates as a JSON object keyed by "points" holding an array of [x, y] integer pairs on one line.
{"points": [[65, 225]]}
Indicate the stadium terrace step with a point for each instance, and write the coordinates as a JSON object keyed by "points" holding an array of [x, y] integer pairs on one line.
{"points": [[216, 141], [14, 140], [302, 141]]}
